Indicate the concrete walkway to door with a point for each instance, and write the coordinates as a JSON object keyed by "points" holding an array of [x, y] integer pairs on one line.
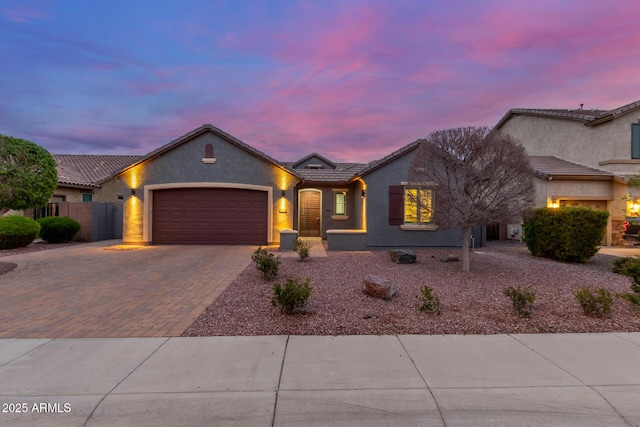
{"points": [[104, 289]]}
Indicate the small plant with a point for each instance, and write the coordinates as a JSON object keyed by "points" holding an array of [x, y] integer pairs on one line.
{"points": [[629, 266], [58, 229], [430, 302], [597, 303], [291, 295], [266, 262], [522, 300], [302, 248]]}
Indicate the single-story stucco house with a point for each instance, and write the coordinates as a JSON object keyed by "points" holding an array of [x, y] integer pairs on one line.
{"points": [[208, 187]]}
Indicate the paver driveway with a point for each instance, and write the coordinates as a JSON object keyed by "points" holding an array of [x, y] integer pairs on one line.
{"points": [[101, 290]]}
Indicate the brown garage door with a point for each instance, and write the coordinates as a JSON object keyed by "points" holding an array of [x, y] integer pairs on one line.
{"points": [[210, 216]]}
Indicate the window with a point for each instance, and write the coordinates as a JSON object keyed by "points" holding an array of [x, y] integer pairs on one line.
{"points": [[208, 154], [340, 204], [411, 206], [87, 197], [418, 205], [635, 140]]}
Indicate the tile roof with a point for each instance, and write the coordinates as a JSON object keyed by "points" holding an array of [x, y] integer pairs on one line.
{"points": [[343, 173], [588, 117], [550, 167], [89, 170]]}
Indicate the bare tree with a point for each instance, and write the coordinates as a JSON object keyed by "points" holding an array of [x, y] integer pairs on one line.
{"points": [[479, 176]]}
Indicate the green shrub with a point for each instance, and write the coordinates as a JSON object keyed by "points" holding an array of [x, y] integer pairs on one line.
{"points": [[293, 294], [430, 302], [266, 262], [17, 231], [522, 300], [565, 234], [632, 297], [302, 248], [58, 229], [629, 266], [597, 303]]}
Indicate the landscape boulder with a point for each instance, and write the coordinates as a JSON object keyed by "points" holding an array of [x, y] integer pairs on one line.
{"points": [[402, 256], [379, 287], [450, 258]]}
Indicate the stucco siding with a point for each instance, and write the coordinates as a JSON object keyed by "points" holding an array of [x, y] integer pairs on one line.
{"points": [[575, 142], [379, 232], [183, 164]]}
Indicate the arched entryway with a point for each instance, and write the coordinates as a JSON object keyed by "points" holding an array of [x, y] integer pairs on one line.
{"points": [[309, 213]]}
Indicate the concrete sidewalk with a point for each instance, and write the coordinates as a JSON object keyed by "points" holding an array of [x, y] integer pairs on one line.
{"points": [[563, 379]]}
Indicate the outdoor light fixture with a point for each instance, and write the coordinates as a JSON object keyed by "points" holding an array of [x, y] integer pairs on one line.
{"points": [[133, 191], [283, 193]]}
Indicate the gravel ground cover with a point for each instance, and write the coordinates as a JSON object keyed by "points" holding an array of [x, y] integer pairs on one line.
{"points": [[471, 303]]}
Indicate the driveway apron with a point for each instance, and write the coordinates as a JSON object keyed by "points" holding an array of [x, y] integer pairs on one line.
{"points": [[104, 289]]}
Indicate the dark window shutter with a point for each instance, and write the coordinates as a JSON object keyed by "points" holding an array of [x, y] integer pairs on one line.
{"points": [[396, 205], [208, 151], [635, 140]]}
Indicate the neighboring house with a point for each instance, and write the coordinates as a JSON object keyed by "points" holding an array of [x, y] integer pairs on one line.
{"points": [[208, 187], [86, 193], [81, 176], [582, 158]]}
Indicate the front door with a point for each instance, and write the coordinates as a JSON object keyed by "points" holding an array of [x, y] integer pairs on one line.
{"points": [[309, 213]]}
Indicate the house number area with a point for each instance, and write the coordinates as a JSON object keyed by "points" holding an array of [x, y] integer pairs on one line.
{"points": [[37, 407]]}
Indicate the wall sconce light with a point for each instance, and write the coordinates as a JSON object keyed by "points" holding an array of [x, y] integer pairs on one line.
{"points": [[283, 193], [133, 191], [363, 194]]}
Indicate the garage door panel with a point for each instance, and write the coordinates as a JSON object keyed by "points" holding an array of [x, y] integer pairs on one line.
{"points": [[210, 216]]}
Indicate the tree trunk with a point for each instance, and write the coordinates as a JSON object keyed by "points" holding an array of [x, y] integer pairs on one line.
{"points": [[465, 248]]}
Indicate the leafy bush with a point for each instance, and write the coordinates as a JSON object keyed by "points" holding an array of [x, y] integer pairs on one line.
{"points": [[17, 231], [597, 303], [302, 248], [522, 300], [58, 229], [566, 234], [266, 262], [293, 294], [430, 302]]}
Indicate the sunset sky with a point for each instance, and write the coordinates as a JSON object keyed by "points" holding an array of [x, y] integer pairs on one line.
{"points": [[350, 79]]}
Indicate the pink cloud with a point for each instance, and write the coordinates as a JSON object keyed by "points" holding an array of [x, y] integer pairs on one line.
{"points": [[23, 13]]}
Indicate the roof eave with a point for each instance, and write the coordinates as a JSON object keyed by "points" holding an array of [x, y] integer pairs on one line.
{"points": [[388, 159]]}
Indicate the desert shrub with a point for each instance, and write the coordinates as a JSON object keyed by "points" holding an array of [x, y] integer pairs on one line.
{"points": [[429, 301], [302, 248], [266, 262], [632, 297], [291, 295], [17, 231], [597, 303], [629, 266], [565, 234], [58, 229], [522, 300]]}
